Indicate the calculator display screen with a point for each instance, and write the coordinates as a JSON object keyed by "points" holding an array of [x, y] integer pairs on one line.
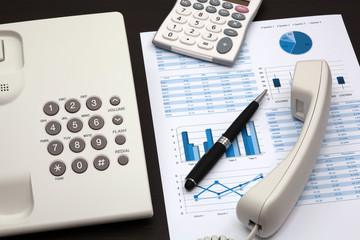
{"points": [[241, 2]]}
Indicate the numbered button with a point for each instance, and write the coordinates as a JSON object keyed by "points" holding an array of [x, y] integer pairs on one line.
{"points": [[51, 108], [175, 27], [201, 16], [183, 11], [98, 142], [96, 122], [53, 128], [57, 168], [101, 163], [196, 24], [79, 165], [93, 103], [210, 36], [179, 19], [217, 20], [75, 125], [192, 32], [170, 35], [77, 145], [55, 147], [213, 28], [72, 106]]}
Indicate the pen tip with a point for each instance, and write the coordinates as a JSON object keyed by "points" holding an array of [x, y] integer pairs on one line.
{"points": [[189, 185], [261, 96]]}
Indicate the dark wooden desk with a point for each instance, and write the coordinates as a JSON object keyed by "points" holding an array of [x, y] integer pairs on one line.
{"points": [[141, 16]]}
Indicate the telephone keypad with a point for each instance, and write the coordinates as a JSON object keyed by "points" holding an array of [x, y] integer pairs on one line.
{"points": [[77, 144]]}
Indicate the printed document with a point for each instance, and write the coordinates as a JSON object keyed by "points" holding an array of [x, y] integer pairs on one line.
{"points": [[193, 102]]}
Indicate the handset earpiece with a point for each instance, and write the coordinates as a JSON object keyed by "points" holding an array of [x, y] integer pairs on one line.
{"points": [[268, 203]]}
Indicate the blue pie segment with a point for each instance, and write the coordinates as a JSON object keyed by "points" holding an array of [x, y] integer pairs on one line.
{"points": [[295, 42]]}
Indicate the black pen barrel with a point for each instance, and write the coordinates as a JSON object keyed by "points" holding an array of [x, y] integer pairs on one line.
{"points": [[241, 121], [207, 162]]}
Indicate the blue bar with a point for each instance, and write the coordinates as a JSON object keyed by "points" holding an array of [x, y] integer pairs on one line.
{"points": [[191, 151], [340, 80], [254, 138], [276, 82], [210, 140], [233, 150]]}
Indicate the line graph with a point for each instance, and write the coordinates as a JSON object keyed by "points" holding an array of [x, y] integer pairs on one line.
{"points": [[227, 191], [220, 191]]}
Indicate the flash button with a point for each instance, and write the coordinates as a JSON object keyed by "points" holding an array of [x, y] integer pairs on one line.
{"points": [[2, 51]]}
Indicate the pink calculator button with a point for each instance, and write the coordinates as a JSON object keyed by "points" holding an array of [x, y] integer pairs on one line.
{"points": [[241, 9]]}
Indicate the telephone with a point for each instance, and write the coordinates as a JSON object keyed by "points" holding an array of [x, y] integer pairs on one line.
{"points": [[266, 206], [71, 150]]}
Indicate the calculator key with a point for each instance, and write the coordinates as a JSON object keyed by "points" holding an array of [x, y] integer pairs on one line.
{"points": [[101, 163], [175, 27], [96, 122], [205, 45], [79, 165], [198, 6], [51, 108], [215, 2], [57, 168], [213, 28], [183, 11], [196, 23], [169, 35], [217, 20], [123, 160], [77, 145], [53, 128], [98, 142], [201, 16], [185, 3], [72, 106], [179, 19], [93, 103], [234, 24], [238, 16], [187, 40], [202, 1], [227, 5], [224, 12], [55, 147], [209, 36], [115, 101], [242, 9], [117, 120], [74, 125], [224, 45], [211, 9], [192, 32], [120, 139], [230, 32]]}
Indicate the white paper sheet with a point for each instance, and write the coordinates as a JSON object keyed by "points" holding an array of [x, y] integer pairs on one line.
{"points": [[193, 102]]}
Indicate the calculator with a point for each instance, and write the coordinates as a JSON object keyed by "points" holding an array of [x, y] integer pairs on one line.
{"points": [[211, 30], [71, 148]]}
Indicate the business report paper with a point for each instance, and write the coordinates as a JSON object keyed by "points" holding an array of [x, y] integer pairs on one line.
{"points": [[193, 102]]}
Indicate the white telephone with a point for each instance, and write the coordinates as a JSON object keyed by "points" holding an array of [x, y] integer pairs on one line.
{"points": [[266, 206], [71, 150]]}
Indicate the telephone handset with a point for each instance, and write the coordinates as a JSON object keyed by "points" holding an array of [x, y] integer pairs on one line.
{"points": [[266, 206]]}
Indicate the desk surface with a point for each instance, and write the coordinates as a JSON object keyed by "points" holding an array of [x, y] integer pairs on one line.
{"points": [[141, 16]]}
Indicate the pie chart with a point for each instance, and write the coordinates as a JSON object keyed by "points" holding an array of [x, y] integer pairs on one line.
{"points": [[295, 42]]}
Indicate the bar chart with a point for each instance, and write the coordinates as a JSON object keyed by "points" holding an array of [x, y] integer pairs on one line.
{"points": [[279, 79], [194, 143]]}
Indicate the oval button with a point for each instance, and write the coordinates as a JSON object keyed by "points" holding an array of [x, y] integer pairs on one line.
{"points": [[224, 45]]}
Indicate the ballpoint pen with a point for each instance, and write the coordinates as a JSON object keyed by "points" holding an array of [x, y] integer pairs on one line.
{"points": [[209, 159]]}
